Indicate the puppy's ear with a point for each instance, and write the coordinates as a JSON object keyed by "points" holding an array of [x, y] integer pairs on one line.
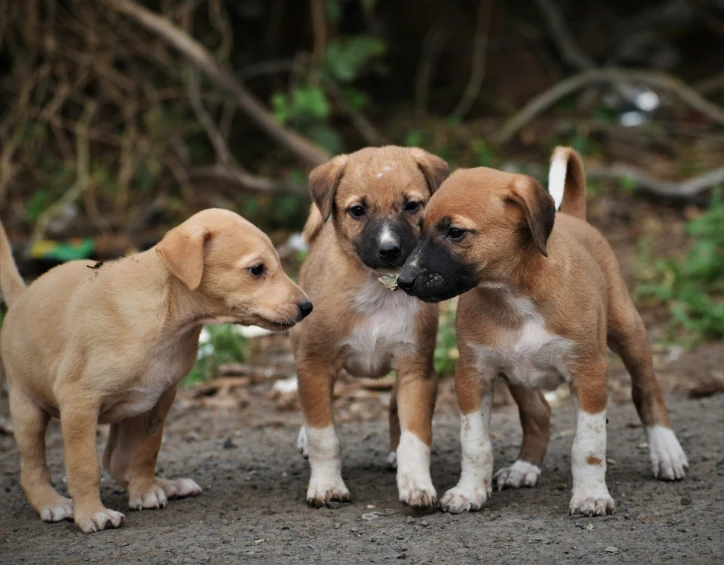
{"points": [[182, 251], [534, 206], [323, 183], [435, 169]]}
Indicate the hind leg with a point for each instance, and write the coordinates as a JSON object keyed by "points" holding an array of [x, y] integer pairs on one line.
{"points": [[535, 418], [131, 453], [394, 429], [30, 424], [627, 337]]}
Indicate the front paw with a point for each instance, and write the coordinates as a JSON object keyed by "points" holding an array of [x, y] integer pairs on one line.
{"points": [[416, 489], [154, 493], [594, 502], [463, 499], [322, 492], [95, 520], [519, 474]]}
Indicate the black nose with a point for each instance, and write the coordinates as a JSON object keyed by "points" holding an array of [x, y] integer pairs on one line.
{"points": [[305, 308], [389, 251], [405, 281]]}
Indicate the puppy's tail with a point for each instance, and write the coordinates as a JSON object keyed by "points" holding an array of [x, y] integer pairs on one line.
{"points": [[314, 224], [11, 283], [567, 182]]}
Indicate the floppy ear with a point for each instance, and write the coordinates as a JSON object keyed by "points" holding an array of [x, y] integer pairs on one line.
{"points": [[182, 251], [323, 183], [536, 206], [435, 169]]}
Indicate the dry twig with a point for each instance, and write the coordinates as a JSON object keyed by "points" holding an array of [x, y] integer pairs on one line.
{"points": [[653, 79], [647, 184]]}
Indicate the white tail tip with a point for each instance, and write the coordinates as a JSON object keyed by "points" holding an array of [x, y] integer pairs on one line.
{"points": [[557, 176]]}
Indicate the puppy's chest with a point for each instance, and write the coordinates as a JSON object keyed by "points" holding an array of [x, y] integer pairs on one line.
{"points": [[528, 355], [385, 327]]}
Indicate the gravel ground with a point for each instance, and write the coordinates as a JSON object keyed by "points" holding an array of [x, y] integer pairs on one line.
{"points": [[253, 509]]}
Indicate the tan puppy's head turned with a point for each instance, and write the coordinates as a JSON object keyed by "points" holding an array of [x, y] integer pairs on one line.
{"points": [[375, 197], [478, 228], [233, 269]]}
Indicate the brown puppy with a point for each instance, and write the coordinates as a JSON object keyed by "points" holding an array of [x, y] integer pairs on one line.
{"points": [[109, 343], [373, 199], [541, 302]]}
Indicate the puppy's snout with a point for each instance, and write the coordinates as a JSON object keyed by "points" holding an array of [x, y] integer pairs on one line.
{"points": [[305, 308], [389, 250], [406, 281]]}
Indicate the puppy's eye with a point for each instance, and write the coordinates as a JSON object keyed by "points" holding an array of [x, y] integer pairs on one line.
{"points": [[455, 234], [412, 206], [257, 270], [357, 211]]}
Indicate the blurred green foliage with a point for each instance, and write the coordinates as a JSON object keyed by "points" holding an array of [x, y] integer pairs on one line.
{"points": [[692, 288], [224, 345]]}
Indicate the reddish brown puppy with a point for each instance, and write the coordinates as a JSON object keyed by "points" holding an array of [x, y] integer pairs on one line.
{"points": [[542, 297], [364, 223]]}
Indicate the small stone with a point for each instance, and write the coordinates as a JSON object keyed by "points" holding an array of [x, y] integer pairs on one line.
{"points": [[685, 501], [354, 530], [561, 486], [228, 444], [589, 527], [611, 549], [643, 445], [399, 537], [424, 523], [611, 461]]}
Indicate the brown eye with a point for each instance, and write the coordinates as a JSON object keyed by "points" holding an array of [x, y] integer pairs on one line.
{"points": [[455, 234], [357, 211], [412, 206], [257, 270]]}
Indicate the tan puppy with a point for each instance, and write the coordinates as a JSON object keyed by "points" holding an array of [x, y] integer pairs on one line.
{"points": [[109, 343], [373, 199], [541, 302]]}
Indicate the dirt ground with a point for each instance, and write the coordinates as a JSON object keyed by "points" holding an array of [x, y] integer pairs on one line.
{"points": [[253, 508]]}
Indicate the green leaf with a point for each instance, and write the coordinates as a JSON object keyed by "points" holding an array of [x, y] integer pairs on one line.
{"points": [[346, 57]]}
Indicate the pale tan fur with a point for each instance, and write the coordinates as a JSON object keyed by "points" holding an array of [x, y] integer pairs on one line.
{"points": [[334, 276], [110, 344]]}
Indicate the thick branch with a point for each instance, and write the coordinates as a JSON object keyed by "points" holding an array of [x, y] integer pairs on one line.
{"points": [[199, 55], [653, 79], [644, 183]]}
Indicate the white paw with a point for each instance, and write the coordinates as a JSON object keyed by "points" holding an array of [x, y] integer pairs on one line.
{"points": [[592, 502], [179, 488], [322, 492], [60, 509], [392, 459], [416, 488], [152, 497], [668, 460], [519, 474], [99, 521], [302, 443], [463, 499]]}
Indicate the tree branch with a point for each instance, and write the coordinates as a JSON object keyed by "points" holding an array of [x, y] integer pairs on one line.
{"points": [[653, 79], [644, 183], [200, 56]]}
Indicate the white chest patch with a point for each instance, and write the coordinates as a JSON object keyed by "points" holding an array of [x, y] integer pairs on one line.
{"points": [[387, 325], [528, 355]]}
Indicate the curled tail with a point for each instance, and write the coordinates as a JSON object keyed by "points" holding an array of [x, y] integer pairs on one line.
{"points": [[314, 224], [11, 283], [567, 182]]}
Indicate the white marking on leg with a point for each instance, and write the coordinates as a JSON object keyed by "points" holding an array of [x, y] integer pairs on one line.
{"points": [[668, 460], [519, 474], [475, 484], [302, 443], [557, 177], [590, 493], [392, 459], [325, 461], [413, 471]]}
